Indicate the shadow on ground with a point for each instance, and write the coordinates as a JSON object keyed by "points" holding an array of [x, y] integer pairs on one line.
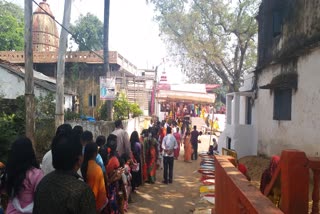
{"points": [[179, 197]]}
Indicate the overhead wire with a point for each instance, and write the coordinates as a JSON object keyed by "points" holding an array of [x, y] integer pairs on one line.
{"points": [[77, 41]]}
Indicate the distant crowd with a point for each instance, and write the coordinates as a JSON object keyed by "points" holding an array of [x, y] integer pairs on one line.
{"points": [[83, 175]]}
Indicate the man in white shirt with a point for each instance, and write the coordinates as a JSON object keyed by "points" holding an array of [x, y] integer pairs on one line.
{"points": [[169, 144], [123, 142], [46, 164]]}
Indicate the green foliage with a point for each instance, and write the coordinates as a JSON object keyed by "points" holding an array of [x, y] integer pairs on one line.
{"points": [[45, 107], [8, 134], [13, 125], [45, 123], [88, 31], [135, 110], [19, 117], [122, 108], [212, 40], [103, 111], [43, 135], [221, 93], [69, 115], [11, 27]]}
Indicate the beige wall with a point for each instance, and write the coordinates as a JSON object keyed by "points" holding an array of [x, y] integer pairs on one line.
{"points": [[303, 131], [106, 127]]}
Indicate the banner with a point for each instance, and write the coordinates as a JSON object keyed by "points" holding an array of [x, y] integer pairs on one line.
{"points": [[107, 88]]}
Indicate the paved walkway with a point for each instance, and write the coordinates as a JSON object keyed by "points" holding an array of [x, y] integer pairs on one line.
{"points": [[179, 197]]}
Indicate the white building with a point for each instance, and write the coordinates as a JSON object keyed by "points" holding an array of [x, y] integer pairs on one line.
{"points": [[278, 108], [240, 132], [12, 84]]}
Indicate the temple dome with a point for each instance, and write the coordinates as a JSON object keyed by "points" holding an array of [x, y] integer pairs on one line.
{"points": [[45, 32]]}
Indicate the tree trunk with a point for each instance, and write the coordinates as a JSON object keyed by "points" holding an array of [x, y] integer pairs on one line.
{"points": [[29, 84], [59, 119], [106, 67]]}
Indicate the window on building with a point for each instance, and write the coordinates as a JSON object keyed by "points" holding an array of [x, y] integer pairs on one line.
{"points": [[277, 23], [92, 100], [249, 111], [228, 143], [282, 104]]}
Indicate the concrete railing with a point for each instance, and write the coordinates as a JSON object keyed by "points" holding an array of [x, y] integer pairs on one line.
{"points": [[290, 183], [288, 188], [293, 174], [234, 194]]}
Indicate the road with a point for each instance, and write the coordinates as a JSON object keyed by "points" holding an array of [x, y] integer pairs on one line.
{"points": [[180, 197]]}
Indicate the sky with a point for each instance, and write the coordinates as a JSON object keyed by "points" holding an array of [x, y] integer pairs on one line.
{"points": [[132, 33]]}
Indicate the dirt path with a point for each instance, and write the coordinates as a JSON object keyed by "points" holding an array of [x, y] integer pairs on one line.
{"points": [[178, 197]]}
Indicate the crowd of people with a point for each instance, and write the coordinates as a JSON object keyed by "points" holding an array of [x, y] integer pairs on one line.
{"points": [[83, 175], [80, 174]]}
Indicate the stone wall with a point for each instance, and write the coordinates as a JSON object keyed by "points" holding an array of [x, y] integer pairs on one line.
{"points": [[106, 127]]}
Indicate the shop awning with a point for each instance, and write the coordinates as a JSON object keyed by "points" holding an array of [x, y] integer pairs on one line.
{"points": [[180, 96]]}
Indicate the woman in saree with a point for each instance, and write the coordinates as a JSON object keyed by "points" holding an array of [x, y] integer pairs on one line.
{"points": [[136, 153], [92, 174], [151, 155], [178, 139], [143, 136], [187, 147], [114, 173]]}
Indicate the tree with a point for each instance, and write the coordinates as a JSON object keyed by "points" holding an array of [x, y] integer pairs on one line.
{"points": [[11, 27], [211, 39], [88, 32], [122, 108]]}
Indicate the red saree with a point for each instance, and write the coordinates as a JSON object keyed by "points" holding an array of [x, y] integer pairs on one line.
{"points": [[150, 151], [177, 150]]}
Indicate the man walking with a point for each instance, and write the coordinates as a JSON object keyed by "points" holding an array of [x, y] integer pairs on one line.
{"points": [[169, 144], [194, 141], [123, 143]]}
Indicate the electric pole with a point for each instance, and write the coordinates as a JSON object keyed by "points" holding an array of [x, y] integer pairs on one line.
{"points": [[59, 118], [106, 67], [28, 80]]}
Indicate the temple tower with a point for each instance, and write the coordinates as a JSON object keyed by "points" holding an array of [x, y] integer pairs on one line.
{"points": [[45, 32]]}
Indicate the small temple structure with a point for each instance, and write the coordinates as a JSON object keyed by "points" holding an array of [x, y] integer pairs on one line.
{"points": [[170, 98], [45, 31]]}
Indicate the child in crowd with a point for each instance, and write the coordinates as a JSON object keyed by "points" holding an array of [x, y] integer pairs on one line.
{"points": [[125, 185]]}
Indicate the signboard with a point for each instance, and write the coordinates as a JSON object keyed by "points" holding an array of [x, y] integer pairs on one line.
{"points": [[107, 88]]}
